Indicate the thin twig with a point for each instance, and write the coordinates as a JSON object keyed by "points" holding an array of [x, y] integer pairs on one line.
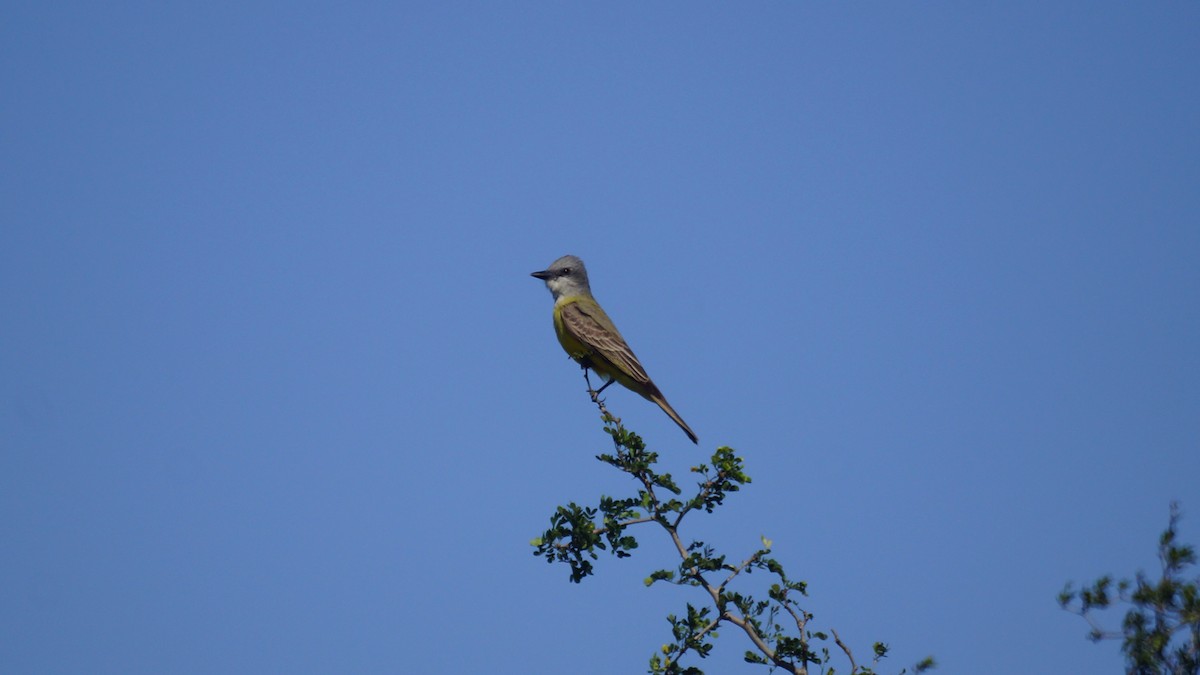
{"points": [[801, 620], [709, 627], [738, 570], [838, 641], [595, 396], [740, 622]]}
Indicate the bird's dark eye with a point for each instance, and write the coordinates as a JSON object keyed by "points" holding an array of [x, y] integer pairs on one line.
{"points": [[565, 271]]}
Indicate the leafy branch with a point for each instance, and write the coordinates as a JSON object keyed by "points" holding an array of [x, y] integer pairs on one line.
{"points": [[1161, 630], [775, 624]]}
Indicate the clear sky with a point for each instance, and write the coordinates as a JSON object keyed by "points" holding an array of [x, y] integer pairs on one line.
{"points": [[277, 393]]}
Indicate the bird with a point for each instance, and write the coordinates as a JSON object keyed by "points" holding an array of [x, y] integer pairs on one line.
{"points": [[591, 339]]}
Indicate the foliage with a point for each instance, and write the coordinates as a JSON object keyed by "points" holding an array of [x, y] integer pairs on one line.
{"points": [[774, 622], [1161, 630]]}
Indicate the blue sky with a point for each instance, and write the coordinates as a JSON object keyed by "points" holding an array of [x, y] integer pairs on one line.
{"points": [[277, 393]]}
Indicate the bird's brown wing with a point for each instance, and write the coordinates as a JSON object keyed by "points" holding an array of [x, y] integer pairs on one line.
{"points": [[588, 324]]}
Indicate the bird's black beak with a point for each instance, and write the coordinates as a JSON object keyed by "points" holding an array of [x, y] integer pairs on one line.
{"points": [[543, 275]]}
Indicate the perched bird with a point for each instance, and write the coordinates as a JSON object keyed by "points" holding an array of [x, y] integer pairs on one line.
{"points": [[589, 336]]}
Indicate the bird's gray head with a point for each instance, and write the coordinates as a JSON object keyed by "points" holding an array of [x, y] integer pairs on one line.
{"points": [[565, 277]]}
